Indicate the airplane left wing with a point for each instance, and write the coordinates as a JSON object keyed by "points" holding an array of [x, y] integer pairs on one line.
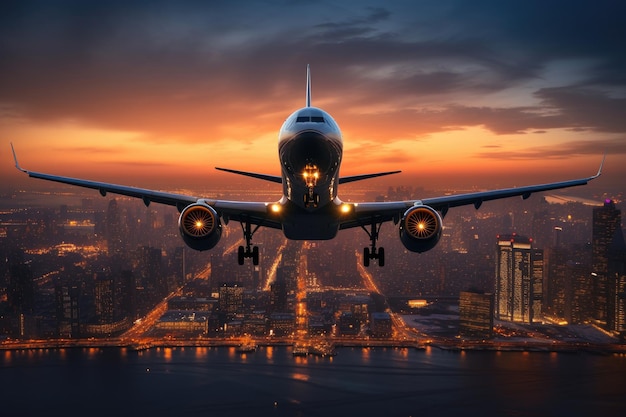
{"points": [[254, 212], [146, 195]]}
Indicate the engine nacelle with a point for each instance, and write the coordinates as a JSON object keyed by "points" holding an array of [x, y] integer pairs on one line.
{"points": [[420, 228], [200, 226]]}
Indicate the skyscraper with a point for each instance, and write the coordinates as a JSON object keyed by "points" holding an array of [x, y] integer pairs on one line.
{"points": [[231, 297], [476, 314], [568, 284], [278, 293], [616, 285], [606, 220], [67, 291], [114, 230], [519, 280]]}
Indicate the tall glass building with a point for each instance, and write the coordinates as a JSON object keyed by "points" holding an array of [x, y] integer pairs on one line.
{"points": [[606, 220], [519, 280]]}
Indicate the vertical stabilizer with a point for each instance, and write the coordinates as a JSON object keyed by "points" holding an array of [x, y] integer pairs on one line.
{"points": [[308, 86]]}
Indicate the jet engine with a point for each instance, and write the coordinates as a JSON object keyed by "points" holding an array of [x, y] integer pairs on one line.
{"points": [[200, 226], [420, 228]]}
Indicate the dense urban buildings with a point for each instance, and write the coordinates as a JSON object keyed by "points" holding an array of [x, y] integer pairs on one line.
{"points": [[104, 268]]}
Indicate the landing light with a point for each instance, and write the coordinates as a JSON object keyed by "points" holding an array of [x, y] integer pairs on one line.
{"points": [[346, 208], [276, 208]]}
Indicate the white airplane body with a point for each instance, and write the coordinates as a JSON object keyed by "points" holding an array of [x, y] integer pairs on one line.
{"points": [[310, 149]]}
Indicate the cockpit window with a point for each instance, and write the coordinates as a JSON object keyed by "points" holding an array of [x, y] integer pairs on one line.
{"points": [[314, 119]]}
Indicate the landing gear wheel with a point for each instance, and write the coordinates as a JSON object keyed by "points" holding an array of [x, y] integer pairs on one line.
{"points": [[248, 251], [372, 252], [240, 255], [255, 255]]}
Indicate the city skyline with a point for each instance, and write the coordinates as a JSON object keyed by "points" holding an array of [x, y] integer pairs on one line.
{"points": [[454, 95], [122, 233]]}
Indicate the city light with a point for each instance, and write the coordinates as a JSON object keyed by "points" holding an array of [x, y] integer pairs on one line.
{"points": [[320, 277]]}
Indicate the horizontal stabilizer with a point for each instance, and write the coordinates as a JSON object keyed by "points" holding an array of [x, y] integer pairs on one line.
{"points": [[270, 178], [353, 178]]}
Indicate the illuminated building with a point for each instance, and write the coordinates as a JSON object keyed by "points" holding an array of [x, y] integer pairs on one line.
{"points": [[230, 298], [606, 220], [21, 294], [67, 297], [616, 285], [177, 262], [348, 324], [191, 303], [185, 322], [359, 307], [380, 324], [151, 271], [519, 280], [476, 314], [111, 299], [282, 324], [21, 287], [114, 230], [278, 293], [104, 298], [558, 284], [568, 285]]}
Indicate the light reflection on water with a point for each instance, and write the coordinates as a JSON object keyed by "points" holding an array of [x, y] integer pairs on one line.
{"points": [[374, 381]]}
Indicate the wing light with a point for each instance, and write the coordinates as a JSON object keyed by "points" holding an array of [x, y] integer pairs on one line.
{"points": [[346, 208]]}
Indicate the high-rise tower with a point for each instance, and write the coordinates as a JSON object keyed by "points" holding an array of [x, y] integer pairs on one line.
{"points": [[616, 285], [114, 230], [519, 280], [606, 220]]}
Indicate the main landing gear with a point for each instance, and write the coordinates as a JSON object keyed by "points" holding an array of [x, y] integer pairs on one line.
{"points": [[372, 252], [249, 251]]}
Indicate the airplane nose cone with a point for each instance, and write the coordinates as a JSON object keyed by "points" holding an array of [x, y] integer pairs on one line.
{"points": [[309, 148]]}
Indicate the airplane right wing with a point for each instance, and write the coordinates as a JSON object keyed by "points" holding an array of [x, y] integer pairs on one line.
{"points": [[366, 213]]}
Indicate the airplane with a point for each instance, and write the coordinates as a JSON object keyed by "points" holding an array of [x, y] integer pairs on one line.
{"points": [[310, 150]]}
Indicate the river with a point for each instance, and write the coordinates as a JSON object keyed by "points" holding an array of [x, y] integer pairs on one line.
{"points": [[219, 381]]}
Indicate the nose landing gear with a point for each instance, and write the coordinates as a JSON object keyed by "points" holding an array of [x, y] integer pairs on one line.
{"points": [[249, 251]]}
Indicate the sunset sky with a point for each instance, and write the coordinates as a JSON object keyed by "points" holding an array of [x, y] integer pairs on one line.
{"points": [[452, 92]]}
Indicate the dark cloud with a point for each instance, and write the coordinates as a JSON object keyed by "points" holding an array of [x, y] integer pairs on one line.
{"points": [[586, 108], [181, 68], [610, 147]]}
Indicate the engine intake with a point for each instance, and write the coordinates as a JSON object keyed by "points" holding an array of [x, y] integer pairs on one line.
{"points": [[200, 226], [420, 228]]}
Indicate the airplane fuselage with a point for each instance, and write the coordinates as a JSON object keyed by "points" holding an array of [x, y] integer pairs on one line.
{"points": [[310, 150]]}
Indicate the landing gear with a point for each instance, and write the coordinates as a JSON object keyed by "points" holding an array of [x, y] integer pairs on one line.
{"points": [[311, 199], [249, 251], [372, 252]]}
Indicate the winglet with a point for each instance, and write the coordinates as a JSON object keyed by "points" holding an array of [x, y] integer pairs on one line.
{"points": [[308, 86], [17, 164], [600, 169]]}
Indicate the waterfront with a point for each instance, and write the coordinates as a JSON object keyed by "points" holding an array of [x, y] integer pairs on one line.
{"points": [[271, 381]]}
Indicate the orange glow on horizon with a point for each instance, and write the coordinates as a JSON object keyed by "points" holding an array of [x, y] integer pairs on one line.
{"points": [[459, 158]]}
